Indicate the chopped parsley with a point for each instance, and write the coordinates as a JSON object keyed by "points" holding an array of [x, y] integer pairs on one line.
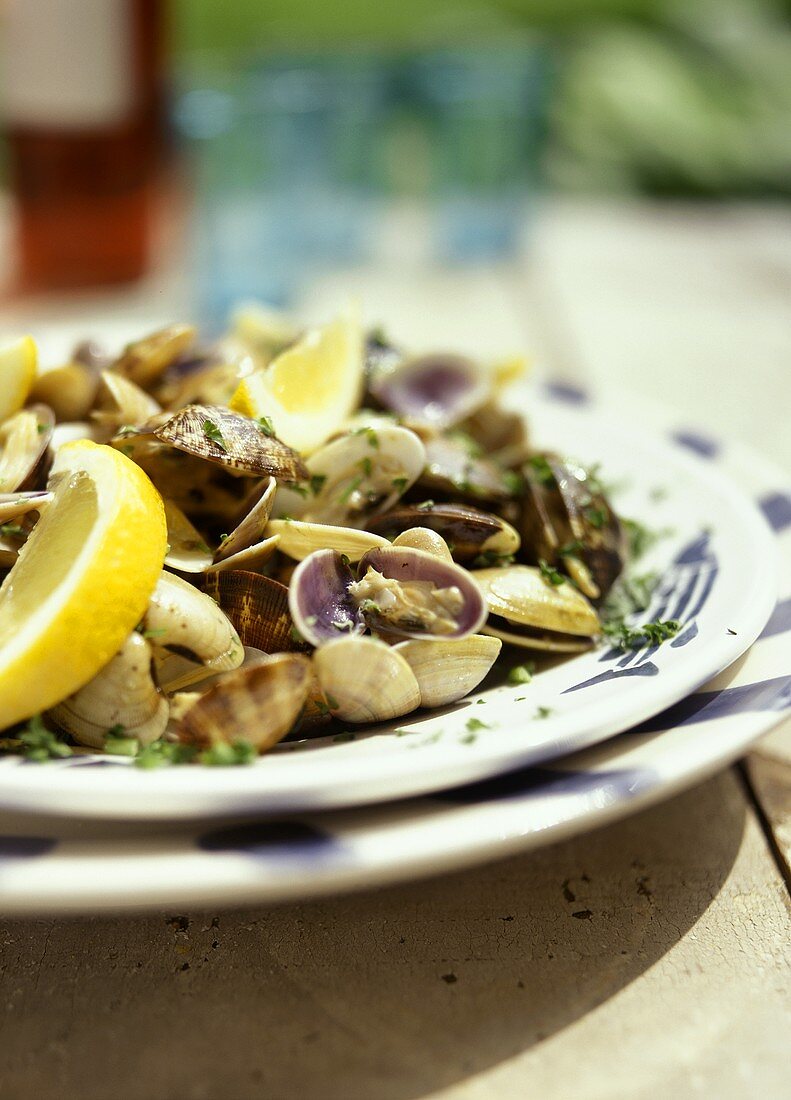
{"points": [[541, 469], [400, 483], [117, 743], [352, 487], [39, 743], [625, 637], [522, 674], [212, 432], [365, 464], [295, 487], [549, 574], [596, 517], [571, 549], [425, 506], [317, 483], [160, 754], [265, 425], [513, 482], [371, 436], [344, 735], [543, 712], [12, 530], [491, 558], [474, 724], [224, 755], [641, 538], [465, 440]]}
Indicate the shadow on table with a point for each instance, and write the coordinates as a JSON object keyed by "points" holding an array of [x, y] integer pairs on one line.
{"points": [[389, 994]]}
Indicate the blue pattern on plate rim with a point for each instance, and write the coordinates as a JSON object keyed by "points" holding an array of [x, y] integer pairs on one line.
{"points": [[776, 508], [277, 844], [695, 441]]}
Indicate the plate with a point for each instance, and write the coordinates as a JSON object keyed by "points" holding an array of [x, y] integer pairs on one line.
{"points": [[62, 865], [718, 576]]}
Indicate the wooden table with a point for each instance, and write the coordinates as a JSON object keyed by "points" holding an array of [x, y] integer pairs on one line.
{"points": [[489, 984]]}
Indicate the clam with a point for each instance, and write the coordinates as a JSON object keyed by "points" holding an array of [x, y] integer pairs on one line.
{"points": [[69, 390], [13, 505], [438, 389], [250, 558], [259, 703], [365, 680], [567, 520], [122, 694], [423, 538], [145, 361], [469, 532], [451, 469], [187, 549], [24, 439], [447, 671], [527, 610], [400, 591], [257, 607], [355, 476], [299, 539], [202, 490], [120, 401], [235, 442], [252, 525], [320, 599], [499, 433], [209, 378], [192, 635]]}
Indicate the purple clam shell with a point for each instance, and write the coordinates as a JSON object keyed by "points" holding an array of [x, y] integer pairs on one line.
{"points": [[403, 563], [438, 389], [319, 600]]}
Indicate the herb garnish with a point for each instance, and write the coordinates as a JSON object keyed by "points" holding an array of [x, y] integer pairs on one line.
{"points": [[522, 674], [641, 538], [473, 724], [224, 755], [117, 743], [352, 487], [12, 530], [491, 558], [161, 753], [549, 574], [365, 464], [400, 483], [571, 549], [39, 743], [625, 637], [542, 470], [543, 712], [212, 432], [513, 482], [265, 425], [425, 506], [317, 483], [596, 517]]}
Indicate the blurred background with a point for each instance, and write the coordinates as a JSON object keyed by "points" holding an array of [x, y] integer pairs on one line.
{"points": [[254, 144]]}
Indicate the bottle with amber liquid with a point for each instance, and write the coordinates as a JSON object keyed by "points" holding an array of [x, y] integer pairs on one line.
{"points": [[82, 101]]}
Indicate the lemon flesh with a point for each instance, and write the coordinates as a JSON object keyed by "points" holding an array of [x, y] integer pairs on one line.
{"points": [[18, 366], [310, 389], [82, 581]]}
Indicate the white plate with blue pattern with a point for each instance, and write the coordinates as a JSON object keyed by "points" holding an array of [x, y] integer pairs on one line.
{"points": [[718, 578], [60, 864]]}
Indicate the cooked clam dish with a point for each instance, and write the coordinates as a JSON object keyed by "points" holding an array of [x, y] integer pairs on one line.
{"points": [[208, 549]]}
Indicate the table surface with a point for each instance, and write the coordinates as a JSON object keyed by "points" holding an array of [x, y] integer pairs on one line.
{"points": [[486, 984]]}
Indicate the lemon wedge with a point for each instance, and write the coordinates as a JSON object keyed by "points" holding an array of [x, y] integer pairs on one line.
{"points": [[18, 366], [310, 389], [82, 580]]}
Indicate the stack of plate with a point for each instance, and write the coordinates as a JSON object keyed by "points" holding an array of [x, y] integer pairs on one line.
{"points": [[590, 739]]}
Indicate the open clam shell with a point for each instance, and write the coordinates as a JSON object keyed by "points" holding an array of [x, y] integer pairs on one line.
{"points": [[120, 401], [365, 680], [526, 610], [469, 532], [69, 390], [250, 530], [13, 505], [413, 594], [258, 703], [24, 442], [355, 476], [438, 389], [320, 599], [453, 471], [187, 549], [258, 607], [145, 361], [567, 520], [299, 539], [446, 672], [235, 442]]}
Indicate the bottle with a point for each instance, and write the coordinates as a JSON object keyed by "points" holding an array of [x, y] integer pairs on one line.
{"points": [[83, 110]]}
